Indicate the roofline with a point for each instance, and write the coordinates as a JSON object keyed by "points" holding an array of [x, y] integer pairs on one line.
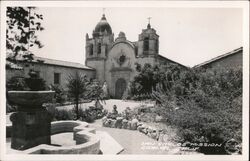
{"points": [[235, 51], [36, 62], [123, 41], [65, 66], [161, 56]]}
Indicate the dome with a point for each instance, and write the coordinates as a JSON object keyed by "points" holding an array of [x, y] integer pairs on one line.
{"points": [[103, 26], [121, 34], [121, 37]]}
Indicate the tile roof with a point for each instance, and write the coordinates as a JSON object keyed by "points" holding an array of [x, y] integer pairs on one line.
{"points": [[220, 57], [60, 63], [163, 57]]}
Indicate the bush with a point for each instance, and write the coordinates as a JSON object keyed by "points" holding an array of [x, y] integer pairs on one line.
{"points": [[209, 106], [64, 114], [91, 114], [60, 95], [16, 83]]}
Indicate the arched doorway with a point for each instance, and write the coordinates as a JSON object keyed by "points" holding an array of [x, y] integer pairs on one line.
{"points": [[120, 87]]}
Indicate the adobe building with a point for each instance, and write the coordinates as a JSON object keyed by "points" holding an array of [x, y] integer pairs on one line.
{"points": [[115, 59], [231, 60], [54, 72]]}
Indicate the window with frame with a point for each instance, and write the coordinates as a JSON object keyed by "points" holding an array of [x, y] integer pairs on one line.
{"points": [[57, 78]]}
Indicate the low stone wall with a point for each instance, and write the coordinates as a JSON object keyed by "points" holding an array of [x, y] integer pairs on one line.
{"points": [[86, 140], [134, 124]]}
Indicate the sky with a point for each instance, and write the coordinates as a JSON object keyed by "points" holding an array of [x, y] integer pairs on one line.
{"points": [[188, 36]]}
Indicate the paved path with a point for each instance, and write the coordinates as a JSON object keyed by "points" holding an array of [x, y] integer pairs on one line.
{"points": [[132, 141], [121, 105]]}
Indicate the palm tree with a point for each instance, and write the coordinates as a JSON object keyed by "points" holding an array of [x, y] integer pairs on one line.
{"points": [[76, 87]]}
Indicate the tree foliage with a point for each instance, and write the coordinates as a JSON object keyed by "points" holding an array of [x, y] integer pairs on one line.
{"points": [[149, 78], [77, 85], [22, 26], [95, 92]]}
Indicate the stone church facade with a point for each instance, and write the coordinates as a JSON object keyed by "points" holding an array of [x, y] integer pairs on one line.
{"points": [[115, 59]]}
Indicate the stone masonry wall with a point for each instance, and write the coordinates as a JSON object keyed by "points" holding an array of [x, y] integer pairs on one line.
{"points": [[134, 124]]}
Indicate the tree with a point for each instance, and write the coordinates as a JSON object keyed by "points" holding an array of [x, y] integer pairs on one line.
{"points": [[77, 84], [149, 78], [22, 26], [95, 93]]}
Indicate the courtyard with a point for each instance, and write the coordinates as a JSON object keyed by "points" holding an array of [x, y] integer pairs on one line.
{"points": [[119, 141], [124, 95]]}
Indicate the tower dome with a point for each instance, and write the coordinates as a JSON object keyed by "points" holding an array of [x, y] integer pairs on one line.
{"points": [[102, 27]]}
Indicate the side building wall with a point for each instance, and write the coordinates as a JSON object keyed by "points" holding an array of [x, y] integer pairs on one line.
{"points": [[230, 62], [47, 72]]}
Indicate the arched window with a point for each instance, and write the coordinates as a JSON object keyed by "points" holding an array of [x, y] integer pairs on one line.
{"points": [[91, 49], [146, 44], [99, 48]]}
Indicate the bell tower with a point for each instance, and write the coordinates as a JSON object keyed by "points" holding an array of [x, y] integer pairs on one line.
{"points": [[148, 43], [97, 47]]}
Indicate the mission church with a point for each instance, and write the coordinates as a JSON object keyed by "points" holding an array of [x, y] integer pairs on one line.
{"points": [[115, 59], [111, 61]]}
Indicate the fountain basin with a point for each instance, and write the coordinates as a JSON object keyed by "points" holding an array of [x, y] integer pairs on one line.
{"points": [[86, 141], [30, 98]]}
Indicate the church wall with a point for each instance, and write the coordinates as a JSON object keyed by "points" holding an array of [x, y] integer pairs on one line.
{"points": [[99, 65], [114, 70], [146, 60], [140, 48], [126, 75]]}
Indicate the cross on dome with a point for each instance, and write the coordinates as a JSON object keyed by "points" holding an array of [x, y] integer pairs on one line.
{"points": [[149, 26], [149, 19], [103, 11]]}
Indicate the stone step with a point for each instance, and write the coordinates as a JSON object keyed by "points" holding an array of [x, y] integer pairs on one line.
{"points": [[108, 144]]}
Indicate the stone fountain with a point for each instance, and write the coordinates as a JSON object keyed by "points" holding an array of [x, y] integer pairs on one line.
{"points": [[31, 123], [31, 128]]}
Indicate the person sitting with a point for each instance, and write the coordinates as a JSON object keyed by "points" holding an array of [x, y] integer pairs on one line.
{"points": [[115, 110], [114, 113]]}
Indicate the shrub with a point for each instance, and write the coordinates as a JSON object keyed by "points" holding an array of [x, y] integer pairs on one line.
{"points": [[59, 94], [64, 114], [86, 115], [209, 106], [16, 83], [91, 114]]}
